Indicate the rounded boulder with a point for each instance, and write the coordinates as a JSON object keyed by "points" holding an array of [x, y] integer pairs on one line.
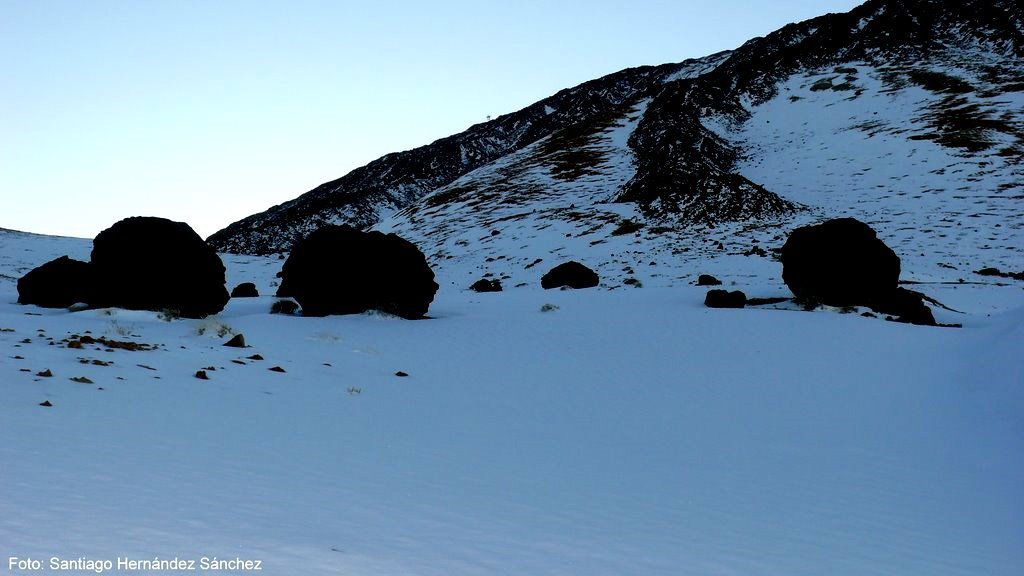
{"points": [[342, 270], [840, 262], [571, 274], [57, 284], [149, 263]]}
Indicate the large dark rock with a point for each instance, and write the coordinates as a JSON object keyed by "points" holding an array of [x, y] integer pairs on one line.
{"points": [[840, 263], [57, 284], [725, 299], [147, 263], [572, 274], [340, 270]]}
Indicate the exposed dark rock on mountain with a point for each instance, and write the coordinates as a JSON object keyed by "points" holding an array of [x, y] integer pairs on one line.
{"points": [[397, 180], [684, 168], [57, 284], [340, 270], [245, 290], [725, 299], [570, 275], [147, 263], [840, 262]]}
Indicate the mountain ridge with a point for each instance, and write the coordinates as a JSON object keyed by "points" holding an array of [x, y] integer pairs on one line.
{"points": [[681, 170], [399, 178]]}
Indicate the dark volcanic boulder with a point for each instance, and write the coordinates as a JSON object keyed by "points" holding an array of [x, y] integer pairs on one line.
{"points": [[571, 274], [486, 285], [840, 263], [725, 299], [57, 284], [147, 263], [245, 290], [708, 280], [340, 270]]}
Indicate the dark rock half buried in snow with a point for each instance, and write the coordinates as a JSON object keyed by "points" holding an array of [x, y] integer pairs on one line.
{"points": [[340, 270], [572, 274], [708, 280], [725, 299], [486, 285], [147, 263], [245, 290], [907, 306], [57, 284]]}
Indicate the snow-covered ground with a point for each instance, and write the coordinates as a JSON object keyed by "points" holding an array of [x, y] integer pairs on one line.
{"points": [[625, 432]]}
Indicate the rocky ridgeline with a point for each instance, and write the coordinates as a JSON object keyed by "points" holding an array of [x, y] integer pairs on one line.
{"points": [[684, 172], [363, 196]]}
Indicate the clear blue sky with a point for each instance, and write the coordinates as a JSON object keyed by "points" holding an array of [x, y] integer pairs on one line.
{"points": [[208, 111]]}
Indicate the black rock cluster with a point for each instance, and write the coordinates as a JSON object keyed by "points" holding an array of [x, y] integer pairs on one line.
{"points": [[140, 263]]}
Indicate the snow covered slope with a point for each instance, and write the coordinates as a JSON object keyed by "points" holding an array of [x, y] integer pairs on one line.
{"points": [[365, 195], [927, 93], [620, 432]]}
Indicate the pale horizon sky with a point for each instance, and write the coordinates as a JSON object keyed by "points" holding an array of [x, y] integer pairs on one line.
{"points": [[207, 112]]}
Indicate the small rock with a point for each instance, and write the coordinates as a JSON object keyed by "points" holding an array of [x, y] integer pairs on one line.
{"points": [[725, 299], [708, 280], [401, 374], [571, 274], [45, 403], [201, 374], [284, 307], [276, 369], [245, 290], [45, 373], [485, 285], [237, 342], [81, 380], [255, 357]]}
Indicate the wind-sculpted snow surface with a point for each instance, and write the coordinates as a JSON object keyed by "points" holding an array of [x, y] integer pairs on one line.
{"points": [[619, 432]]}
